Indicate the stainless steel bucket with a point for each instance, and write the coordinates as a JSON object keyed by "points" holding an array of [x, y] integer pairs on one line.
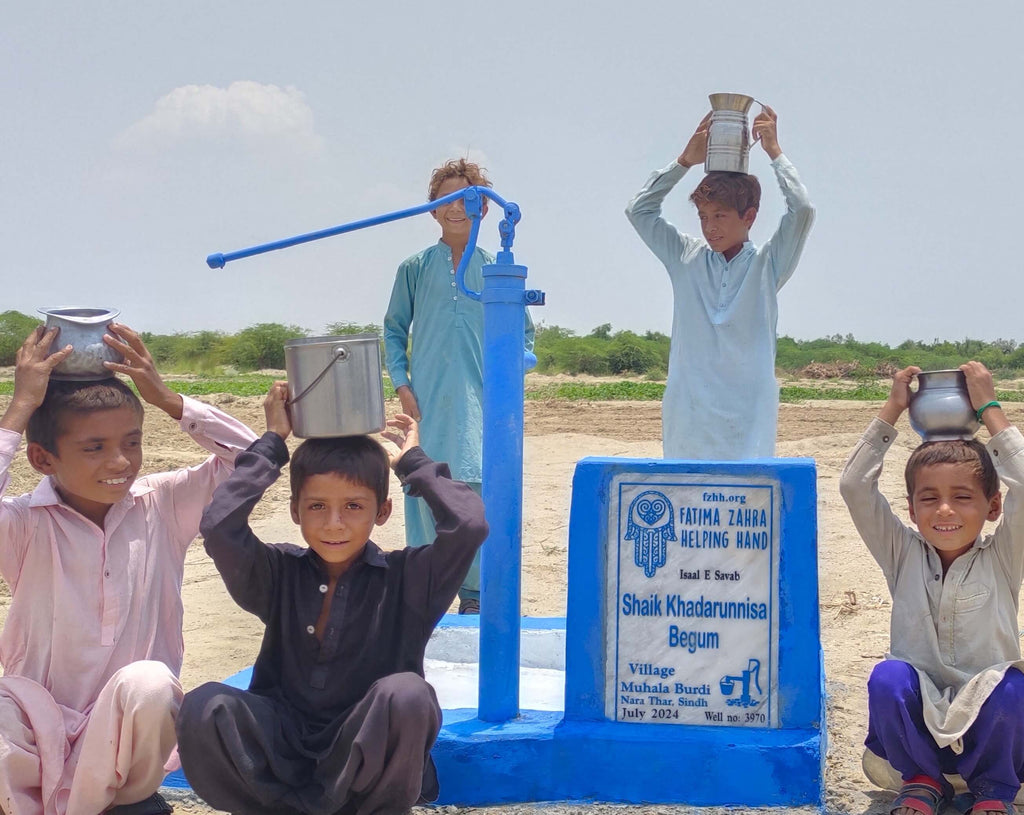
{"points": [[940, 408], [82, 328], [335, 386], [729, 135]]}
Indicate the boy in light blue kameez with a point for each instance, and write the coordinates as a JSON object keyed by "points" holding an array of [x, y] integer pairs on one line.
{"points": [[440, 380], [721, 398]]}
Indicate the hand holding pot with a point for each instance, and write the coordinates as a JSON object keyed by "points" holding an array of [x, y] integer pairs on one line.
{"points": [[275, 407], [405, 436], [138, 364], [982, 391], [33, 365], [696, 149], [766, 130], [899, 395]]}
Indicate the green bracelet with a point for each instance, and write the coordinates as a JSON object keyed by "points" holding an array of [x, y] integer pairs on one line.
{"points": [[986, 406]]}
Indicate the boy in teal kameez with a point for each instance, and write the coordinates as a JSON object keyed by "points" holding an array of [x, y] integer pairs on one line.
{"points": [[441, 385]]}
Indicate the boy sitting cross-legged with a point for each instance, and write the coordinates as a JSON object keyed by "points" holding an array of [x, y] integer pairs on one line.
{"points": [[949, 699], [338, 716], [94, 558]]}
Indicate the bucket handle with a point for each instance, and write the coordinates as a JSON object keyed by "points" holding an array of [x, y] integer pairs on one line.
{"points": [[341, 353]]}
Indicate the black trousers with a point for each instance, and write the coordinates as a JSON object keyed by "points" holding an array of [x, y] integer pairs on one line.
{"points": [[250, 755]]}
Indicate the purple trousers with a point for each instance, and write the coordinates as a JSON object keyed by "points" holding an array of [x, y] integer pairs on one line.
{"points": [[992, 763]]}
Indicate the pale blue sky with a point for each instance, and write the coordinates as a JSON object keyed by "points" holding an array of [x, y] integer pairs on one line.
{"points": [[137, 137]]}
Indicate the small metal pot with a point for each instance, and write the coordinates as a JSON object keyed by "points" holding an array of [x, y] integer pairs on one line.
{"points": [[940, 408], [729, 137], [82, 328]]}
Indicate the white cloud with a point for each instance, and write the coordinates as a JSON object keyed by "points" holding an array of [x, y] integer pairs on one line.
{"points": [[245, 114]]}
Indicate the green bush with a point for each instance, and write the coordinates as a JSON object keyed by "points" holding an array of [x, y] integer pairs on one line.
{"points": [[261, 346], [14, 327], [601, 352]]}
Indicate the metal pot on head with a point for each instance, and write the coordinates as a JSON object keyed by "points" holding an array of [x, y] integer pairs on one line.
{"points": [[940, 408], [82, 328], [729, 136], [335, 386]]}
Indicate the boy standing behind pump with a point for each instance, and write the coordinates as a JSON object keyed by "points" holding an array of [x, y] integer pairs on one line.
{"points": [[440, 382], [721, 399]]}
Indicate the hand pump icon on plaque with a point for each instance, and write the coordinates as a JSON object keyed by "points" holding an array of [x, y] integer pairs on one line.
{"points": [[751, 676]]}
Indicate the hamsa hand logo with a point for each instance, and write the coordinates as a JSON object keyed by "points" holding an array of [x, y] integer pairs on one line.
{"points": [[651, 525]]}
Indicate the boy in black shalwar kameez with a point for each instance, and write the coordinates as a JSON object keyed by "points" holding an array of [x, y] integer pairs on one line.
{"points": [[338, 716]]}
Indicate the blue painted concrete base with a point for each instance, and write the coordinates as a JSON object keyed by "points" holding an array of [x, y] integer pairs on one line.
{"points": [[540, 757]]}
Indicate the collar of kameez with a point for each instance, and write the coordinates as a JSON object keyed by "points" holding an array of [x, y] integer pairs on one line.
{"points": [[982, 542], [748, 247], [45, 494], [372, 556]]}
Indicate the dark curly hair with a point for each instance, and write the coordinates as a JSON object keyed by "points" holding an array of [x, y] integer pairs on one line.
{"points": [[457, 168]]}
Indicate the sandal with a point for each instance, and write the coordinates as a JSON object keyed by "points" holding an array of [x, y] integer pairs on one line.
{"points": [[992, 805], [921, 794]]}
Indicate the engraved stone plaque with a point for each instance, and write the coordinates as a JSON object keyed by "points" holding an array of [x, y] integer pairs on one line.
{"points": [[691, 634]]}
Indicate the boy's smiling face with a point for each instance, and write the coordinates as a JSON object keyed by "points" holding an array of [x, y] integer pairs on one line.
{"points": [[336, 516], [455, 224], [97, 460], [724, 228], [950, 508]]}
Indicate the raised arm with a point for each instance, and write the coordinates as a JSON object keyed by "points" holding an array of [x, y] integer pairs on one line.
{"points": [[1006, 448], [435, 572], [786, 245], [33, 365], [883, 533], [644, 211], [245, 563]]}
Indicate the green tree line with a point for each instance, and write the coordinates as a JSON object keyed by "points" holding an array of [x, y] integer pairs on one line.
{"points": [[601, 352]]}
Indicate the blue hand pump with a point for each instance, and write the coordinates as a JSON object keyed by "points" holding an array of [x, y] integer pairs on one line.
{"points": [[504, 297]]}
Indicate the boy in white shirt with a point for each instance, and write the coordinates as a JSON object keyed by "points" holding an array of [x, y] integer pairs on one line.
{"points": [[721, 399]]}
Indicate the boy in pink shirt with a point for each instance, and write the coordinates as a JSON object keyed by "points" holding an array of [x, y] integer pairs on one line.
{"points": [[94, 558]]}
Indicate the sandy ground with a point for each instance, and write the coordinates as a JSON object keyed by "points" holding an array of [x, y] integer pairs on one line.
{"points": [[221, 639]]}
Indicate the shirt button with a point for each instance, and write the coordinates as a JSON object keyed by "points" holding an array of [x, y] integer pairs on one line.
{"points": [[310, 629], [323, 588], [455, 298], [193, 425], [453, 284], [937, 577], [107, 573], [885, 438]]}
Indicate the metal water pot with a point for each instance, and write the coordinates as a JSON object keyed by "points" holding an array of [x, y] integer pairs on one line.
{"points": [[729, 137], [335, 386], [940, 408], [82, 328]]}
